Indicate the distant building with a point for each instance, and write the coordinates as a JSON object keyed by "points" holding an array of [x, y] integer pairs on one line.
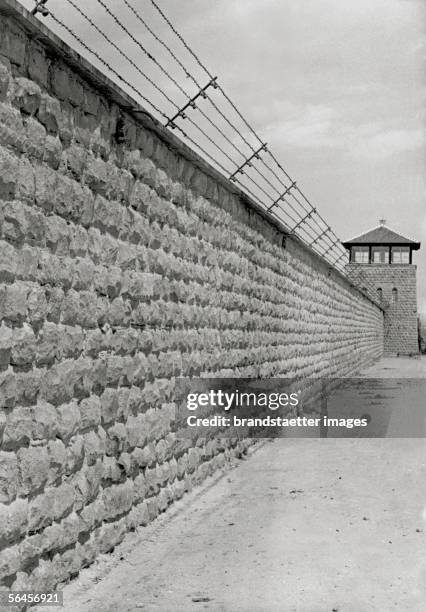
{"points": [[381, 264]]}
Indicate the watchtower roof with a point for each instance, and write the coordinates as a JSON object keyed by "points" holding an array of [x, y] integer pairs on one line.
{"points": [[382, 235]]}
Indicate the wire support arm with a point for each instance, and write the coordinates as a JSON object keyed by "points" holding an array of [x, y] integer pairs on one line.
{"points": [[321, 235], [282, 196], [247, 162], [192, 103], [40, 7], [304, 219], [331, 247]]}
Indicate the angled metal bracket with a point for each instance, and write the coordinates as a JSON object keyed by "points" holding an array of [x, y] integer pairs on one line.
{"points": [[191, 103], [319, 236], [40, 8], [305, 218], [338, 259], [330, 247], [248, 162], [282, 196]]}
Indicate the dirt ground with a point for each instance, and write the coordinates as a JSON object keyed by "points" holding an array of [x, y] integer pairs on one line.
{"points": [[303, 525]]}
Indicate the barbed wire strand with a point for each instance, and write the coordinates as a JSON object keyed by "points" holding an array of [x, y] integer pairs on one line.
{"points": [[181, 90], [161, 42], [166, 73], [186, 71], [246, 123], [105, 63], [299, 222], [121, 52], [90, 21], [221, 89]]}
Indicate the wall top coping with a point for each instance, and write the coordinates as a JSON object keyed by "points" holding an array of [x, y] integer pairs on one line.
{"points": [[37, 31]]}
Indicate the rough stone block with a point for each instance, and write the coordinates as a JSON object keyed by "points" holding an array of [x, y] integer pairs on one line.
{"points": [[13, 521], [91, 102], [153, 510], [33, 469], [49, 113], [5, 73], [75, 455], [136, 431], [8, 477], [10, 561], [91, 515], [8, 174], [15, 43], [96, 176], [112, 472], [35, 139], [18, 428], [11, 128], [15, 222], [57, 459], [6, 335], [137, 516], [118, 499], [140, 488], [23, 349], [75, 158], [65, 85], [52, 151], [38, 64], [94, 447], [109, 535], [40, 511], [45, 187], [8, 262], [37, 305], [28, 386], [63, 500], [8, 390], [116, 439], [90, 412], [109, 405], [57, 386], [87, 484], [26, 183], [68, 198], [26, 95]]}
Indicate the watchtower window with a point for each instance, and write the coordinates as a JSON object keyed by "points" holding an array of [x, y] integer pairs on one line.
{"points": [[401, 255], [379, 294], [380, 255], [394, 295], [360, 254]]}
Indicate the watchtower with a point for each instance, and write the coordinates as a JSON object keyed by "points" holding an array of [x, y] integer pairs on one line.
{"points": [[381, 264]]}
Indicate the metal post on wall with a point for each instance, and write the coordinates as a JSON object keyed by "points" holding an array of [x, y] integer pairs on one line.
{"points": [[40, 7]]}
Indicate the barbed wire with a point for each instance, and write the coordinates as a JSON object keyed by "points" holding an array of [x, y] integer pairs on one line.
{"points": [[132, 63], [105, 63], [258, 172], [235, 108], [181, 89], [121, 52]]}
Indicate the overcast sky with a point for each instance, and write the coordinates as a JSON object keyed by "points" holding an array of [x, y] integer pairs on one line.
{"points": [[334, 86]]}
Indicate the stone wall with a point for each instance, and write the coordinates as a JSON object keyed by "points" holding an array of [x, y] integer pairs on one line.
{"points": [[126, 261], [399, 295]]}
